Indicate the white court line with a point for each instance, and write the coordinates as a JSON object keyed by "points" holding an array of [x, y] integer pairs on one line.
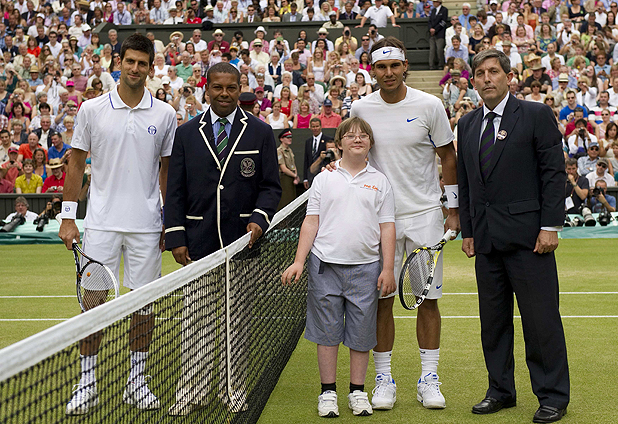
{"points": [[515, 316], [475, 293], [397, 317], [34, 297]]}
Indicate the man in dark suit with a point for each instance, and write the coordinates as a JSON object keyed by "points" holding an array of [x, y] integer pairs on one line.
{"points": [[313, 147], [438, 21], [45, 132], [223, 182], [511, 180], [293, 15]]}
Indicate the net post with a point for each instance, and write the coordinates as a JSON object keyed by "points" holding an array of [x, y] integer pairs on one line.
{"points": [[228, 333]]}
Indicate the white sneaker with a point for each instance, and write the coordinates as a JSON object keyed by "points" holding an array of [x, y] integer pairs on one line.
{"points": [[385, 392], [358, 402], [137, 393], [429, 392], [327, 404], [84, 398]]}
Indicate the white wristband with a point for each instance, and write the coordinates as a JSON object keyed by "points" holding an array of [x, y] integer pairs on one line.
{"points": [[452, 195], [69, 210]]}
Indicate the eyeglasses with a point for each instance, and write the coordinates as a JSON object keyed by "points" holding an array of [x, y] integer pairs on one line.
{"points": [[602, 165], [594, 148], [352, 137]]}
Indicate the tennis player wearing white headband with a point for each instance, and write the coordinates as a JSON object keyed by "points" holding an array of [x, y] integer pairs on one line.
{"points": [[410, 127]]}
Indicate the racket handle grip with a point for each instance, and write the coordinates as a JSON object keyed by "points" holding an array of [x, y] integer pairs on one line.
{"points": [[447, 236]]}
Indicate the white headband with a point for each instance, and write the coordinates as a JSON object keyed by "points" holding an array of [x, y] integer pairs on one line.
{"points": [[388, 53]]}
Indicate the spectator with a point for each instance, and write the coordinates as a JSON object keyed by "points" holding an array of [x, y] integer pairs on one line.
{"points": [[58, 148], [121, 16], [26, 150], [265, 103], [601, 173], [365, 46], [328, 118], [305, 95], [437, 27], [587, 95], [576, 187], [536, 95], [580, 141], [601, 129], [601, 201], [67, 135], [577, 115], [565, 113], [28, 182], [313, 147], [55, 182], [354, 69], [292, 15], [21, 207], [514, 57], [587, 164], [456, 50], [184, 69], [378, 15], [158, 14], [5, 144], [276, 119], [257, 54], [45, 132], [347, 102], [18, 135], [11, 169], [218, 40], [538, 74], [464, 18]]}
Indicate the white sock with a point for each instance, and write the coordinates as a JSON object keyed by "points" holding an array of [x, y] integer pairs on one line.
{"points": [[382, 361], [138, 363], [429, 361], [89, 363]]}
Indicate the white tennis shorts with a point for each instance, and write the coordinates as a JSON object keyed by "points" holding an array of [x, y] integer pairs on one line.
{"points": [[422, 230], [142, 256]]}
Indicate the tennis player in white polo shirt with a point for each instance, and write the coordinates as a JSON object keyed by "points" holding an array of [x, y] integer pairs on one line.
{"points": [[410, 127], [127, 133]]}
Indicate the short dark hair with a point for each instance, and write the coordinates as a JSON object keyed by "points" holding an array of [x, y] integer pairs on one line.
{"points": [[140, 43], [456, 37], [227, 55], [44, 105], [5, 131], [389, 41], [581, 121], [244, 51], [571, 162], [222, 68], [578, 109], [503, 59], [315, 120]]}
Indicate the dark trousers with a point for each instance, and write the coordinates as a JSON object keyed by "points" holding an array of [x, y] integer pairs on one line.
{"points": [[534, 280], [436, 52]]}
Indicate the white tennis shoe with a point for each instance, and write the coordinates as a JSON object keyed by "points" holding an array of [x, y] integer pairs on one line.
{"points": [[327, 404], [137, 393], [384, 393], [84, 397], [358, 402], [429, 392]]}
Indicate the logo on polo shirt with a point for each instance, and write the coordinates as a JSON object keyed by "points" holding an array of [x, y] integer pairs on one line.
{"points": [[152, 130], [371, 187]]}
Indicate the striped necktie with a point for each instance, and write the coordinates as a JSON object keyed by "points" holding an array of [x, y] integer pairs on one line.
{"points": [[221, 139], [487, 144]]}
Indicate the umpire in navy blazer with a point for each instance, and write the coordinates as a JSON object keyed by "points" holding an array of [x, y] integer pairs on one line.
{"points": [[212, 201], [511, 180]]}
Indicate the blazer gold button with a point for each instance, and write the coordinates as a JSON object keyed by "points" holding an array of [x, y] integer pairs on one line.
{"points": [[220, 187]]}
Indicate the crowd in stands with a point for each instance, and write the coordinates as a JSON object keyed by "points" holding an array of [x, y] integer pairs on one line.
{"points": [[562, 53], [52, 61]]}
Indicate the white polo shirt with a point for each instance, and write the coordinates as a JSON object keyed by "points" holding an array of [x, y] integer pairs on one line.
{"points": [[406, 136], [379, 16], [351, 210], [125, 146]]}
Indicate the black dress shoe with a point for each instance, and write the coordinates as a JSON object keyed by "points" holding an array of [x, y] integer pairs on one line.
{"points": [[490, 405], [548, 414]]}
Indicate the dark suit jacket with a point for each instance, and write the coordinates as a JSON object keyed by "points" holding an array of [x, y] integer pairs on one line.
{"points": [[310, 157], [286, 17], [52, 131], [439, 21], [524, 190], [208, 205]]}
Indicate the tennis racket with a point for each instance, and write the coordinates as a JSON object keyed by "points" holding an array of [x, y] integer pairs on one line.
{"points": [[95, 282], [417, 273]]}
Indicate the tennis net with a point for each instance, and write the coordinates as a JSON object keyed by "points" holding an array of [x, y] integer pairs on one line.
{"points": [[225, 328]]}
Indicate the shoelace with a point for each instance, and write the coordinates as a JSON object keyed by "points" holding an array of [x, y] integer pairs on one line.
{"points": [[381, 388], [434, 386]]}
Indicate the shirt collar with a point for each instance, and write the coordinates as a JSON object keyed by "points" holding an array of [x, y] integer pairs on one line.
{"points": [[214, 116], [368, 168], [498, 110], [117, 103]]}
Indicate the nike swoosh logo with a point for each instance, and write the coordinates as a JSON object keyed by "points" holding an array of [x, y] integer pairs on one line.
{"points": [[410, 120], [386, 51], [439, 287], [454, 195]]}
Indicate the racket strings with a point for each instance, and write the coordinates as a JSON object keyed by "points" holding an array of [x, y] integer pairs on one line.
{"points": [[97, 285], [417, 272]]}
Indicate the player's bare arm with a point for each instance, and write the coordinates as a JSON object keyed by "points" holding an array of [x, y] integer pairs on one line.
{"points": [[308, 231], [386, 280], [448, 158], [72, 186]]}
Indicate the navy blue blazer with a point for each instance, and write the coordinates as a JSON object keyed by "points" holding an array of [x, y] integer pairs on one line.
{"points": [[208, 204], [524, 189]]}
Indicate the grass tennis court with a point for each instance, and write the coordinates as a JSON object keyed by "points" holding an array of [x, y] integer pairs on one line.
{"points": [[590, 321]]}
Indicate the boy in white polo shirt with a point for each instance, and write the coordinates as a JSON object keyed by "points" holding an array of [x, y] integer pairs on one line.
{"points": [[350, 216]]}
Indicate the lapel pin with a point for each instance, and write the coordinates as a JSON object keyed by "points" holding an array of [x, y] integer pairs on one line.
{"points": [[501, 135]]}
